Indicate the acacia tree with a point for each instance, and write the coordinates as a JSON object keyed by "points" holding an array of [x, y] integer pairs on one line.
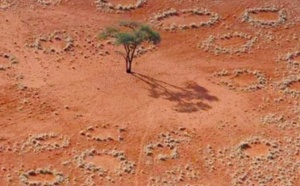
{"points": [[131, 34]]}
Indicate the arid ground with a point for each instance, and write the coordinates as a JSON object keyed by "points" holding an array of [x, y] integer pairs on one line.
{"points": [[216, 103]]}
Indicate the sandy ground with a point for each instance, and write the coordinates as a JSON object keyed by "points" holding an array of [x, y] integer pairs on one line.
{"points": [[216, 105]]}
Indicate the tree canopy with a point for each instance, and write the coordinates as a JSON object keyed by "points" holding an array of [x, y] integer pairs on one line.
{"points": [[131, 34]]}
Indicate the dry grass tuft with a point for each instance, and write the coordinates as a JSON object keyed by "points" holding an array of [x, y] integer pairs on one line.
{"points": [[106, 6], [49, 2]]}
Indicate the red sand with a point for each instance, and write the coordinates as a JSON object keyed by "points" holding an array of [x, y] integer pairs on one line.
{"points": [[171, 90]]}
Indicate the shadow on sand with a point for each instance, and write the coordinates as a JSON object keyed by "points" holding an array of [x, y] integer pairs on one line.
{"points": [[189, 98]]}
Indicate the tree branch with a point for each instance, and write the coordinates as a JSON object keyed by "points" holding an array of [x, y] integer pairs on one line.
{"points": [[133, 51], [127, 49]]}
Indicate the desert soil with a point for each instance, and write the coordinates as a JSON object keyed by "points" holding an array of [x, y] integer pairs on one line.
{"points": [[214, 104]]}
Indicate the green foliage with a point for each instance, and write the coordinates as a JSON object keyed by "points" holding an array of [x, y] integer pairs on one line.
{"points": [[124, 38], [150, 35], [108, 32], [138, 34], [131, 38]]}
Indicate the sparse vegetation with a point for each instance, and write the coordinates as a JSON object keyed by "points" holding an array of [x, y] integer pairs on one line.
{"points": [[45, 142], [169, 142], [124, 165], [167, 126], [158, 18], [49, 2], [181, 174], [210, 44], [94, 133], [11, 60], [259, 76], [110, 7], [5, 4], [38, 42], [285, 85], [25, 177], [282, 17], [276, 165]]}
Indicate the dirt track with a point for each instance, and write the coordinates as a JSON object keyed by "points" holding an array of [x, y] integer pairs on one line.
{"points": [[215, 104]]}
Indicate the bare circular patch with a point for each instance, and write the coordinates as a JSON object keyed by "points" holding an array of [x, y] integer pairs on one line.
{"points": [[105, 162], [106, 5], [230, 43], [290, 85], [243, 80], [45, 141], [103, 133], [254, 148], [42, 177], [265, 17], [166, 147], [56, 42], [258, 160], [161, 151], [196, 18]]}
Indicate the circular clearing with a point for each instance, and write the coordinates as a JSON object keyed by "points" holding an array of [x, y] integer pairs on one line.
{"points": [[105, 162], [42, 177], [257, 147], [114, 5], [166, 147], [261, 160], [230, 43], [56, 42], [45, 141], [265, 17], [243, 80], [196, 18], [161, 151], [290, 85], [103, 133]]}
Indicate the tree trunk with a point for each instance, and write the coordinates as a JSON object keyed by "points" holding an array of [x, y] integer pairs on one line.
{"points": [[130, 50], [130, 58], [128, 66]]}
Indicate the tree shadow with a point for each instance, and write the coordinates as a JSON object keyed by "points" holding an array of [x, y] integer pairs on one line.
{"points": [[190, 98]]}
